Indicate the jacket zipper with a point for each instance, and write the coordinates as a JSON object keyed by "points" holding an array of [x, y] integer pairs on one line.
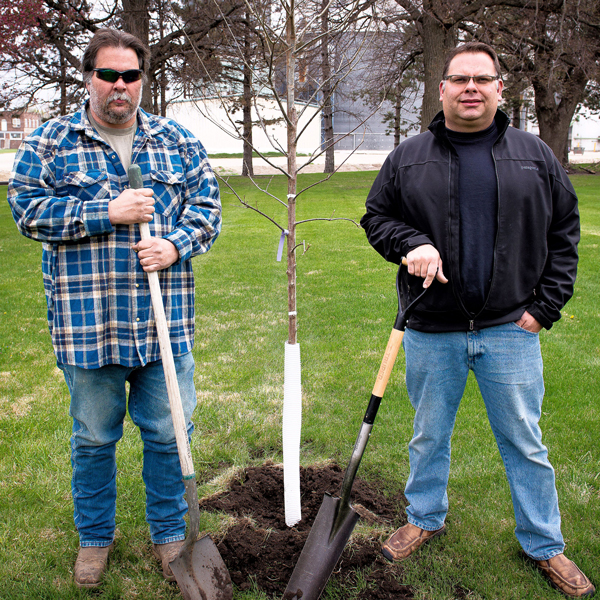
{"points": [[472, 320]]}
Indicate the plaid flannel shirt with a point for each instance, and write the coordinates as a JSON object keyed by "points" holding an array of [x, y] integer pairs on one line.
{"points": [[99, 307]]}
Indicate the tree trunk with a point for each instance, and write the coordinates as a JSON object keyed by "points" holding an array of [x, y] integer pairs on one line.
{"points": [[327, 91], [555, 113], [136, 20], [516, 116], [437, 39], [163, 75], [397, 115], [247, 165], [292, 127], [63, 85]]}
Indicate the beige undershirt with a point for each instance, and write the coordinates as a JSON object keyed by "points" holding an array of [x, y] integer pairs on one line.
{"points": [[120, 140]]}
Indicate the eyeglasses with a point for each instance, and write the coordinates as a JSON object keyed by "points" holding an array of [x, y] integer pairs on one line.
{"points": [[477, 79], [112, 76]]}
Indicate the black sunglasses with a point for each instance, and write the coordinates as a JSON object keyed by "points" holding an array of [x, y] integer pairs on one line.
{"points": [[112, 76]]}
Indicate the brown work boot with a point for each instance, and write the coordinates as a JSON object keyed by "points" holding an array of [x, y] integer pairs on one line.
{"points": [[406, 540], [566, 577], [165, 553], [90, 565]]}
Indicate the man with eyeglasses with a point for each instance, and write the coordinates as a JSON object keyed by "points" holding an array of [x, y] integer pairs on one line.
{"points": [[70, 190], [485, 214]]}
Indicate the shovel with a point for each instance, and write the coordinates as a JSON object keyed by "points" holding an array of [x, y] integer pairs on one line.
{"points": [[199, 568], [336, 519]]}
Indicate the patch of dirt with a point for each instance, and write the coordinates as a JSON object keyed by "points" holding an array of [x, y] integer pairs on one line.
{"points": [[260, 547]]}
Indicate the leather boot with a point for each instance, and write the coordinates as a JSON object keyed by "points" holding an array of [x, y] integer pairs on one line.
{"points": [[165, 553], [90, 565]]}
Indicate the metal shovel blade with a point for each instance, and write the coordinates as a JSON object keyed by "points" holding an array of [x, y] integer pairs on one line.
{"points": [[201, 573], [321, 551]]}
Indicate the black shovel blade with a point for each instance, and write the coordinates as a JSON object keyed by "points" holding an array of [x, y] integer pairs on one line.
{"points": [[321, 551], [201, 573]]}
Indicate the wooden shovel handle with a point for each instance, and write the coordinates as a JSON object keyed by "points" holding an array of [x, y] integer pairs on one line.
{"points": [[166, 353], [387, 362]]}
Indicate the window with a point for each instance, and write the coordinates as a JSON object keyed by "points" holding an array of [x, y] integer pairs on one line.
{"points": [[16, 122], [16, 135]]}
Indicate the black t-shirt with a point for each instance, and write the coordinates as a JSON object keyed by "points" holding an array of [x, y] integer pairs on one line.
{"points": [[478, 201]]}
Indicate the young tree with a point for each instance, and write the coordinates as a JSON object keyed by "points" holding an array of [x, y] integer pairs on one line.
{"points": [[291, 33]]}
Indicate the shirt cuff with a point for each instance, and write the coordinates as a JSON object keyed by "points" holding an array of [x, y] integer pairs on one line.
{"points": [[95, 217], [182, 242]]}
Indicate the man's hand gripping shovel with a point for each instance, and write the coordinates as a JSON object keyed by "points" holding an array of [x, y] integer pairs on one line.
{"points": [[336, 518], [199, 569]]}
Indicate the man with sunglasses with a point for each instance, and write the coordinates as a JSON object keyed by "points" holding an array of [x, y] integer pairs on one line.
{"points": [[485, 214], [70, 190]]}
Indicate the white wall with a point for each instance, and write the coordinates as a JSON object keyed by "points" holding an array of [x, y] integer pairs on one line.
{"points": [[585, 131], [215, 127]]}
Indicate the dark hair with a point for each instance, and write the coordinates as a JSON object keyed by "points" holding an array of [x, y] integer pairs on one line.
{"points": [[473, 48], [111, 38]]}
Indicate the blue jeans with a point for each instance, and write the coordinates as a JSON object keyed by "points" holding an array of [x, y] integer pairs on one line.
{"points": [[98, 407], [507, 364]]}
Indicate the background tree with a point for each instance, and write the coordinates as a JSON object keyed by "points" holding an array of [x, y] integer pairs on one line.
{"points": [[51, 36], [393, 75], [555, 49], [42, 59], [16, 19]]}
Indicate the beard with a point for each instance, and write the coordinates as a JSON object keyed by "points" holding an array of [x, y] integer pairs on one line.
{"points": [[112, 115]]}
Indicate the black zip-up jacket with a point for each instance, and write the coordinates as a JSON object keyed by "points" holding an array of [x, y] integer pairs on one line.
{"points": [[414, 201]]}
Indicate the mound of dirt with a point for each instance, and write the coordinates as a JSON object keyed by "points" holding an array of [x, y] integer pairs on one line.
{"points": [[260, 547]]}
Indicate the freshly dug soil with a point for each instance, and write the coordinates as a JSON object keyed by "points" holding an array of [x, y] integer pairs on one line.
{"points": [[260, 546]]}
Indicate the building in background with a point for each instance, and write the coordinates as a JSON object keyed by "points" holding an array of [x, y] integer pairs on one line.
{"points": [[15, 126], [218, 127]]}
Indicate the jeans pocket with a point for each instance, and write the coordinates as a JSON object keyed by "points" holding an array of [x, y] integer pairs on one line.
{"points": [[519, 328]]}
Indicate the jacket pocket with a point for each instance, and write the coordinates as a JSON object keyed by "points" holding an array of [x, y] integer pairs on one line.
{"points": [[168, 190]]}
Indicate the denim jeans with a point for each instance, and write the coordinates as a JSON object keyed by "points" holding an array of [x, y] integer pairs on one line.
{"points": [[507, 364], [98, 406]]}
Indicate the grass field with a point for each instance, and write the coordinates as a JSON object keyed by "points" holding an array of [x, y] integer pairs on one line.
{"points": [[346, 308]]}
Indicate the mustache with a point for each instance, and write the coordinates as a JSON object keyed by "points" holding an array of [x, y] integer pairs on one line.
{"points": [[119, 96]]}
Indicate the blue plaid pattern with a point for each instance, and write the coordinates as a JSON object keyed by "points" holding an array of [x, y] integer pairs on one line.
{"points": [[99, 308]]}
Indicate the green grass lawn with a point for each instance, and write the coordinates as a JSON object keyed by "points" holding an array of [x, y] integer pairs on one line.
{"points": [[346, 309]]}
